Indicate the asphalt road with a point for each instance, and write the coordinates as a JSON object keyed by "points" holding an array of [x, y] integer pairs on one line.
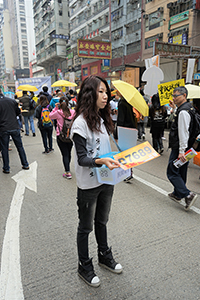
{"points": [[154, 239]]}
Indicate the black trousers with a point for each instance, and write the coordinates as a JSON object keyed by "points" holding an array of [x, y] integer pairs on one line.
{"points": [[65, 149]]}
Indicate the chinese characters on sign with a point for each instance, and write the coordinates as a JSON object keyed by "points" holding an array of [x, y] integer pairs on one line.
{"points": [[94, 49], [168, 49], [165, 90]]}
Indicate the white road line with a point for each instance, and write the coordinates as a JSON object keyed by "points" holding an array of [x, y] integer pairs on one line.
{"points": [[10, 277], [163, 192]]}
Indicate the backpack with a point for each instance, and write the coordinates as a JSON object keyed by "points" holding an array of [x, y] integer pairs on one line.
{"points": [[64, 135], [195, 124], [32, 104], [45, 120]]}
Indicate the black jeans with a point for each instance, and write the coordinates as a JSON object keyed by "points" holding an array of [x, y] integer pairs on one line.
{"points": [[177, 176], [93, 207], [4, 145], [65, 149], [46, 133]]}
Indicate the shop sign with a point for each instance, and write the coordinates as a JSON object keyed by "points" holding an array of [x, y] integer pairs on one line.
{"points": [[168, 49], [94, 70], [94, 49], [197, 76], [150, 41], [179, 18], [70, 55], [60, 36], [178, 39], [105, 68], [85, 71]]}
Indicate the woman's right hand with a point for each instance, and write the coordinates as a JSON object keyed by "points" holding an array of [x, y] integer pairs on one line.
{"points": [[109, 162]]}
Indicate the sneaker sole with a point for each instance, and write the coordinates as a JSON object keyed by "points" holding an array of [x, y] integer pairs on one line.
{"points": [[113, 271], [191, 203], [90, 284]]}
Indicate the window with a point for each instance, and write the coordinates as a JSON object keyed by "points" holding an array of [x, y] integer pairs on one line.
{"points": [[60, 25], [23, 25], [25, 48], [22, 19], [24, 36], [60, 13], [134, 47], [23, 30], [24, 43], [155, 20], [22, 13], [25, 53]]}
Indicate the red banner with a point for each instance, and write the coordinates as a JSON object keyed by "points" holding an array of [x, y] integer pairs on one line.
{"points": [[94, 49]]}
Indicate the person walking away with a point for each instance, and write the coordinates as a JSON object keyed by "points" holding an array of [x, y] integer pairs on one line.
{"points": [[46, 93], [157, 115], [90, 129], [9, 126], [72, 99], [180, 140], [27, 113], [60, 113], [45, 124]]}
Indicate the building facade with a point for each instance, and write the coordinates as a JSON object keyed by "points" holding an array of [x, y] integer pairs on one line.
{"points": [[51, 35]]}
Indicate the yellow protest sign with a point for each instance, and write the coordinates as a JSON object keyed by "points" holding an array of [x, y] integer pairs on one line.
{"points": [[165, 90], [135, 156]]}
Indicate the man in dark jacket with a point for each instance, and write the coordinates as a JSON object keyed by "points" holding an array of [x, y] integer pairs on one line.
{"points": [[180, 140], [125, 118], [45, 93], [9, 111], [27, 112]]}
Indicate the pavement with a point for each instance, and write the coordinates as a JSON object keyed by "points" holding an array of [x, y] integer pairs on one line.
{"points": [[155, 239]]}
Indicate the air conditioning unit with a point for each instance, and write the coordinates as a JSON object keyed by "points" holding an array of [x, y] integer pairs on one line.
{"points": [[160, 35], [145, 16], [138, 21], [160, 9]]}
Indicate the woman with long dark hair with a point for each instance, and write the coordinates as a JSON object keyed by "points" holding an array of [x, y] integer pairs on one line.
{"points": [[90, 132], [157, 115], [60, 113], [46, 131]]}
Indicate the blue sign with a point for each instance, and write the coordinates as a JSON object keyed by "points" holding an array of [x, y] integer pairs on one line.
{"points": [[197, 76]]}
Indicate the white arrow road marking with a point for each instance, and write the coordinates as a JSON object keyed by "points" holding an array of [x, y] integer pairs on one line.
{"points": [[10, 277]]}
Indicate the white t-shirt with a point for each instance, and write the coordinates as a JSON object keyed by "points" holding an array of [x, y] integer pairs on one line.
{"points": [[97, 143]]}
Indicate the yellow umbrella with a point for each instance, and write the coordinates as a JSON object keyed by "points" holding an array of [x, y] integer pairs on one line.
{"points": [[61, 83], [132, 96], [28, 88], [19, 94], [193, 91]]}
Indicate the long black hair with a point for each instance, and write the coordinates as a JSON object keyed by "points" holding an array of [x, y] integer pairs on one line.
{"points": [[86, 104]]}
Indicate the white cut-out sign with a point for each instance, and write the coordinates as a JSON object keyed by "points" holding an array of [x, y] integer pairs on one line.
{"points": [[153, 76]]}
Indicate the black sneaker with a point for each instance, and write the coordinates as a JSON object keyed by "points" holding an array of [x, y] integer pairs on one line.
{"points": [[189, 200], [173, 197], [6, 171], [107, 261], [128, 179], [34, 134], [86, 272]]}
